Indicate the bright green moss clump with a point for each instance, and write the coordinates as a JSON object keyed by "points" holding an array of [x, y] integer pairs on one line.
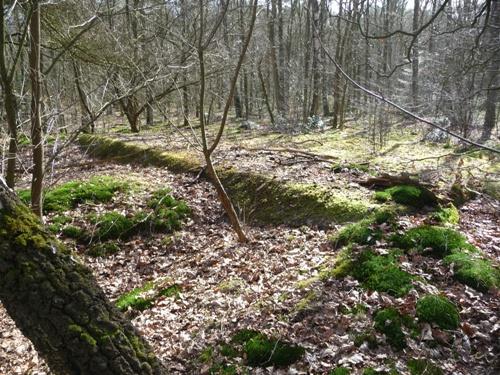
{"points": [[366, 231], [72, 231], [439, 310], [423, 367], [441, 240], [408, 195], [144, 297], [70, 194], [381, 273], [474, 271], [340, 371], [447, 215], [112, 225], [263, 351], [389, 321]]}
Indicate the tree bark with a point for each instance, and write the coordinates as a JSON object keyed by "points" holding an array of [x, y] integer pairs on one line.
{"points": [[57, 303], [36, 122]]}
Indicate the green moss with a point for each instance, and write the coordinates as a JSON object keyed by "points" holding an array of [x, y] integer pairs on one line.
{"points": [[112, 225], [389, 321], [263, 352], [72, 231], [447, 215], [441, 240], [243, 335], [206, 355], [137, 299], [439, 310], [70, 194], [103, 249], [423, 367], [367, 337], [408, 195], [223, 369], [171, 291], [340, 371], [228, 351], [375, 272], [82, 334], [473, 270]]}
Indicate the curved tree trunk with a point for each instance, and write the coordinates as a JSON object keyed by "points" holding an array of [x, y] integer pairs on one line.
{"points": [[58, 305]]}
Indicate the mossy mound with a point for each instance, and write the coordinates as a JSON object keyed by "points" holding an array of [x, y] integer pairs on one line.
{"points": [[123, 152], [366, 231], [262, 351], [258, 198], [103, 249], [57, 223], [409, 195], [74, 232], [366, 337], [69, 195], [423, 367], [438, 310], [389, 321], [474, 271], [144, 297], [441, 240], [375, 272], [447, 215]]}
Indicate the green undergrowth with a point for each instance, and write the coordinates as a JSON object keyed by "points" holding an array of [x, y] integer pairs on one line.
{"points": [[375, 272], [408, 195], [103, 249], [438, 310], [447, 215], [57, 223], [67, 196], [258, 350], [165, 214], [390, 322], [423, 367], [440, 240], [473, 270], [366, 231], [256, 197], [340, 371], [145, 296]]}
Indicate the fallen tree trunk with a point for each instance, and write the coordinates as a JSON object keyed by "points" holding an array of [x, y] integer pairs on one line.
{"points": [[56, 302]]}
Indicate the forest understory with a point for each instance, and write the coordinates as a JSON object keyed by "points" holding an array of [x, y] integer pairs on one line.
{"points": [[283, 282]]}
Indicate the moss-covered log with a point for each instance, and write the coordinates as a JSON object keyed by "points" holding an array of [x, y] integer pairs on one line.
{"points": [[58, 305]]}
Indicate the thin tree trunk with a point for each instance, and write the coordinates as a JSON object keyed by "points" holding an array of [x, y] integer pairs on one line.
{"points": [[414, 62], [36, 124], [56, 302]]}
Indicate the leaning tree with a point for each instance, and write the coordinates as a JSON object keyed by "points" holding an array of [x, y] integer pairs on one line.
{"points": [[56, 302]]}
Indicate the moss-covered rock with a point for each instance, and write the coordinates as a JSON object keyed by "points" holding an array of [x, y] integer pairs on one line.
{"points": [[442, 241], [473, 270], [423, 367], [409, 195], [438, 310], [389, 321]]}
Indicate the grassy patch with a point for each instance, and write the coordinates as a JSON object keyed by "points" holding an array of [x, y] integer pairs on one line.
{"points": [[408, 195], [438, 310], [389, 321], [442, 241], [473, 270], [423, 367]]}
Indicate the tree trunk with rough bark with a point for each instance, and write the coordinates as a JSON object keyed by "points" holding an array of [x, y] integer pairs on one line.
{"points": [[56, 302]]}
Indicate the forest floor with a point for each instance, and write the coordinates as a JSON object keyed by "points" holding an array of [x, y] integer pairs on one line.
{"points": [[271, 283]]}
